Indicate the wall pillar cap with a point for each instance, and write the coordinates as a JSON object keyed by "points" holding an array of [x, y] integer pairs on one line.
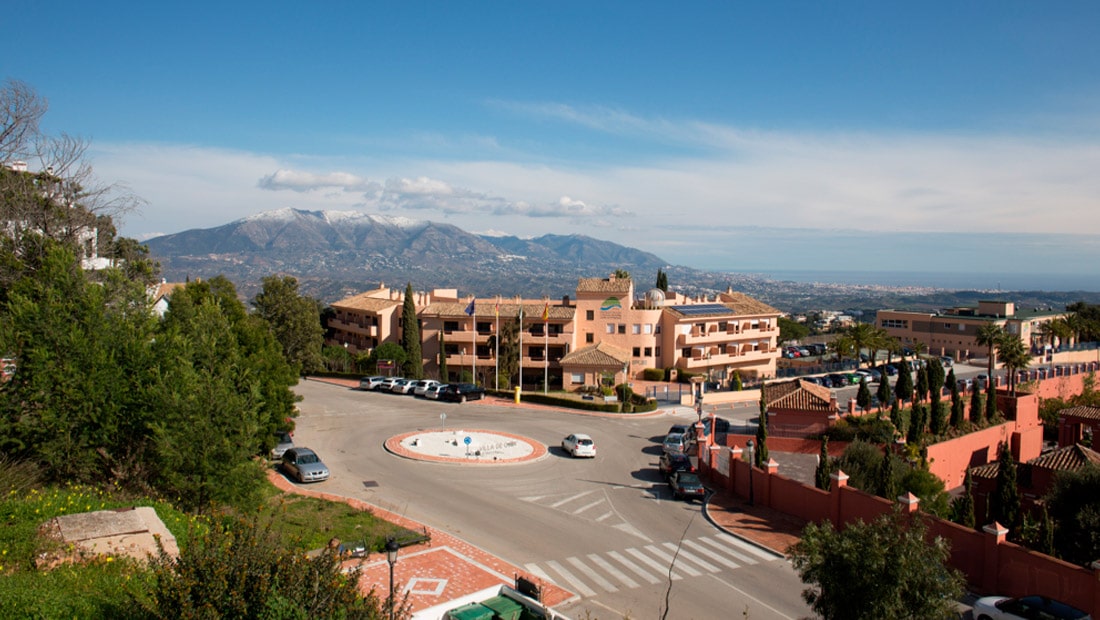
{"points": [[996, 529], [908, 499], [839, 476]]}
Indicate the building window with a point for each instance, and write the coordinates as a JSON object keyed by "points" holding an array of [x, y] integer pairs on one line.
{"points": [[635, 329], [895, 323], [649, 352], [685, 352], [589, 338], [622, 328], [450, 326], [611, 328], [657, 352], [484, 328], [657, 330], [576, 378], [648, 328], [721, 326], [637, 352], [589, 315]]}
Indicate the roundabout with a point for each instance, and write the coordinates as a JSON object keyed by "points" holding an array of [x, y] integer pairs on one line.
{"points": [[466, 446]]}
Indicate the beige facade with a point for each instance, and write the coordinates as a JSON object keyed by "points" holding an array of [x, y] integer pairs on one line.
{"points": [[954, 332], [606, 331]]}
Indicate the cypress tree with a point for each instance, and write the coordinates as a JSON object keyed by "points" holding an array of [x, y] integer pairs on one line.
{"points": [[904, 386], [990, 402], [863, 397], [917, 423], [442, 358], [899, 417], [922, 383], [887, 479], [977, 406], [761, 454], [410, 337], [962, 507], [885, 394], [824, 467], [662, 280], [1004, 506]]}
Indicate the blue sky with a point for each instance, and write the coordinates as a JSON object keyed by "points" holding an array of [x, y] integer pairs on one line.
{"points": [[718, 135]]}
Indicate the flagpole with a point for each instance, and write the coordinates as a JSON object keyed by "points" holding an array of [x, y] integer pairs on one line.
{"points": [[496, 355], [546, 348], [473, 340], [520, 381]]}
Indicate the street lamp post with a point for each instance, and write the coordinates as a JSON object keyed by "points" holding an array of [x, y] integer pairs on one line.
{"points": [[749, 448], [391, 558]]}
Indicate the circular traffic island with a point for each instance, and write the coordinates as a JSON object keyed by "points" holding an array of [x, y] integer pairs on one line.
{"points": [[466, 446]]}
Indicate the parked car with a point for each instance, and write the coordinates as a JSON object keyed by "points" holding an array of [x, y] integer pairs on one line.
{"points": [[965, 385], [283, 443], [875, 376], [386, 385], [304, 465], [672, 462], [721, 425], [579, 444], [461, 392], [804, 352], [432, 393], [889, 370], [947, 362], [982, 381], [422, 386], [677, 442], [686, 485], [403, 386], [370, 383], [1025, 607], [838, 380]]}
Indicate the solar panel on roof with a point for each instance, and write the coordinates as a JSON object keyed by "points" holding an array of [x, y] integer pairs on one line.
{"points": [[700, 309]]}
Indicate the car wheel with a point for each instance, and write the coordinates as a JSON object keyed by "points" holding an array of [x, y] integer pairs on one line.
{"points": [[462, 398]]}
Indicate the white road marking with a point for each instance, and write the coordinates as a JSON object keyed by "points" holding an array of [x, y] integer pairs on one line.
{"points": [[681, 552], [616, 573], [661, 569], [586, 507], [587, 570], [667, 557], [574, 582], [638, 570], [753, 549], [724, 546], [711, 554], [571, 498]]}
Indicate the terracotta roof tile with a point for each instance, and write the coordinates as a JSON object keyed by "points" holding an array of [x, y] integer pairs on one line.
{"points": [[1083, 413], [600, 354], [799, 394], [1069, 458], [486, 308], [742, 304], [603, 285], [364, 301]]}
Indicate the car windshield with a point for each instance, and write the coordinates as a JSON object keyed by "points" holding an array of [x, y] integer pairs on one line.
{"points": [[584, 442], [308, 458], [689, 480]]}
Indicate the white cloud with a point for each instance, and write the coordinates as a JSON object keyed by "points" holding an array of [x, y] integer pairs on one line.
{"points": [[305, 181]]}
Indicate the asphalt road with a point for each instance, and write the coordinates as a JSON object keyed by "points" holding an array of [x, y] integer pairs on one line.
{"points": [[605, 528]]}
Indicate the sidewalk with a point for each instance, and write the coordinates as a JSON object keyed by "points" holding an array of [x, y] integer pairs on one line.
{"points": [[759, 525]]}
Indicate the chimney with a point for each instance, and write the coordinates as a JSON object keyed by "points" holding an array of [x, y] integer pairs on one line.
{"points": [[565, 300]]}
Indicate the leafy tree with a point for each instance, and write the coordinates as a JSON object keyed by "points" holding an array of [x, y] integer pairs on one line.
{"points": [[662, 280], [1004, 502], [824, 467], [220, 392], [791, 330], [77, 403], [842, 346], [861, 462], [883, 569], [904, 385], [389, 351], [928, 487], [962, 507], [863, 397], [337, 359], [410, 337], [736, 384], [294, 320], [1074, 505], [622, 274], [244, 571]]}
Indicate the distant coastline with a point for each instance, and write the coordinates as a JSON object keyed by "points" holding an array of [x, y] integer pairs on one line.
{"points": [[954, 281]]}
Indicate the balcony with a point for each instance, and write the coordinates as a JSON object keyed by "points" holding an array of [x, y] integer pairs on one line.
{"points": [[354, 327]]}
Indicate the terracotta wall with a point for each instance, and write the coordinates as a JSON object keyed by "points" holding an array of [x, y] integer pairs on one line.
{"points": [[950, 459], [990, 564]]}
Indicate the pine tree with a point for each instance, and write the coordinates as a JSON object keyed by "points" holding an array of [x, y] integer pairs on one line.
{"points": [[824, 467], [410, 337]]}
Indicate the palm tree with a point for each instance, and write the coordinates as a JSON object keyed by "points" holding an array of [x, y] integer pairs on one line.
{"points": [[988, 335], [842, 347], [1014, 355], [864, 335]]}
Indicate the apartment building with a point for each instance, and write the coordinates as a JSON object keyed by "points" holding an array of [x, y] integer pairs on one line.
{"points": [[954, 332], [605, 333]]}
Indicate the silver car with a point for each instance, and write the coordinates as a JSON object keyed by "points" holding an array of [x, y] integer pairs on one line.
{"points": [[304, 465], [282, 444]]}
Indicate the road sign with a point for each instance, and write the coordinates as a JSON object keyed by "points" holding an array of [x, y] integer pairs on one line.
{"points": [[467, 440]]}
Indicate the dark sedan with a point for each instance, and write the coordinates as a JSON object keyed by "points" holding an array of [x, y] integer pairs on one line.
{"points": [[461, 392], [686, 485]]}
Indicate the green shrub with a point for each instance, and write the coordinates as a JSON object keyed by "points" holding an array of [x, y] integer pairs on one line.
{"points": [[654, 374]]}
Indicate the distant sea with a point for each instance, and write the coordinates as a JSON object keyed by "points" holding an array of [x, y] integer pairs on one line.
{"points": [[964, 281]]}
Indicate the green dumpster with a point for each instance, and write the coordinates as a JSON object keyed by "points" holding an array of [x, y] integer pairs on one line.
{"points": [[504, 608], [472, 611]]}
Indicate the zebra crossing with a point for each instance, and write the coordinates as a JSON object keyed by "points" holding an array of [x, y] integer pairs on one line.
{"points": [[593, 505], [650, 564]]}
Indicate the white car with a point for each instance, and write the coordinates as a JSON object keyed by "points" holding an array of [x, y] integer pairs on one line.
{"points": [[433, 391], [422, 386], [387, 384], [369, 383], [579, 444], [1025, 608], [403, 386]]}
